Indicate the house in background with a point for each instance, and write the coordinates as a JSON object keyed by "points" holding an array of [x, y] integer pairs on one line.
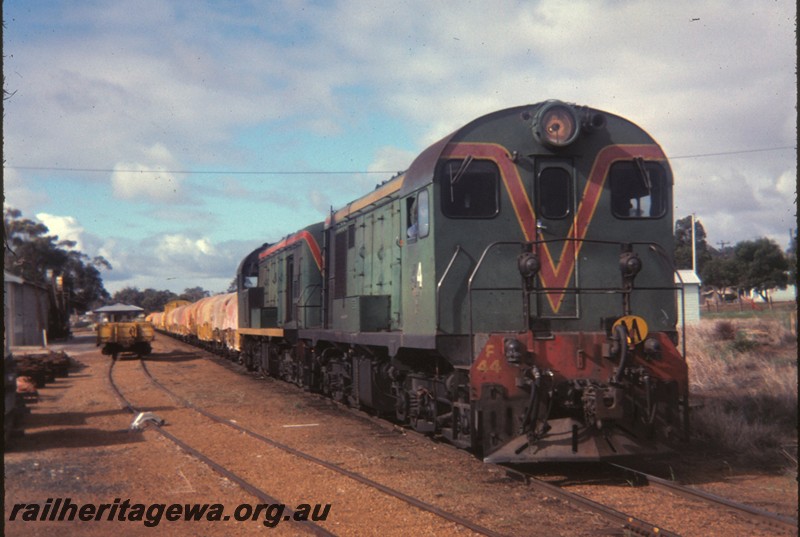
{"points": [[777, 295]]}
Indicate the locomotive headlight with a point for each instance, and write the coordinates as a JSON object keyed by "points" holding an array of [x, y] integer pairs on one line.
{"points": [[629, 264], [556, 124], [528, 264]]}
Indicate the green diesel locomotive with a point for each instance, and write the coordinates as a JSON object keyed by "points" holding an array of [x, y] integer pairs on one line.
{"points": [[512, 292]]}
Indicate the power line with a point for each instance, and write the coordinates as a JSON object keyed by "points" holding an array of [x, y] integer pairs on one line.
{"points": [[324, 172], [740, 152], [198, 172]]}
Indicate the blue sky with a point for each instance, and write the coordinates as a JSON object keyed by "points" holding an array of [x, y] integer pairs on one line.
{"points": [[169, 136]]}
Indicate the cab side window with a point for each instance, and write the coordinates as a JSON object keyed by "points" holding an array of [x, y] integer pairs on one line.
{"points": [[638, 189], [469, 188], [418, 221]]}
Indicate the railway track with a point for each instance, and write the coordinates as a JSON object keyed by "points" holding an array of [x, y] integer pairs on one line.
{"points": [[630, 525], [219, 468], [748, 512], [264, 496], [774, 523]]}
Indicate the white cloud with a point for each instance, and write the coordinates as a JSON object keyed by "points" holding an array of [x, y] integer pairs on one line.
{"points": [[171, 86], [65, 227], [171, 248], [18, 194], [787, 184], [389, 158], [172, 261], [154, 182]]}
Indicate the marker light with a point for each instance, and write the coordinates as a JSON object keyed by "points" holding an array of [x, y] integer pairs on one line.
{"points": [[556, 124]]}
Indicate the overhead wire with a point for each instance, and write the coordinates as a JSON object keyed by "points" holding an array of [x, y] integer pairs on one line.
{"points": [[325, 172]]}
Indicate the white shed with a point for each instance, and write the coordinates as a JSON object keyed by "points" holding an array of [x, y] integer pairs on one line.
{"points": [[690, 282]]}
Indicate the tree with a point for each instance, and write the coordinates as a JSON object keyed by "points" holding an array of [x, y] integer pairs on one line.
{"points": [[156, 300], [683, 244], [131, 296], [720, 273], [194, 294], [150, 300], [232, 287], [762, 266], [38, 257], [83, 275]]}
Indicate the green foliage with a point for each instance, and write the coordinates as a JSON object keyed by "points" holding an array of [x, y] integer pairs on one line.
{"points": [[38, 257], [759, 265], [721, 272], [683, 244], [762, 265], [194, 294], [150, 300]]}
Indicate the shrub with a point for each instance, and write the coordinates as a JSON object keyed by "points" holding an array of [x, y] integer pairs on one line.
{"points": [[746, 387], [724, 330]]}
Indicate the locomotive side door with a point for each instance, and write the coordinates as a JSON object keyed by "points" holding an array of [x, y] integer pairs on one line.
{"points": [[554, 204]]}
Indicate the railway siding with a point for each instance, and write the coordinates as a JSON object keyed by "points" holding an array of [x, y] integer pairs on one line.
{"points": [[77, 445]]}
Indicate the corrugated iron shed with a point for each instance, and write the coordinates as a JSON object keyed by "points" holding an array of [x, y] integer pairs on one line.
{"points": [[26, 308]]}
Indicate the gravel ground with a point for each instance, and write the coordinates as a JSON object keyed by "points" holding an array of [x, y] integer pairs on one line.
{"points": [[76, 445]]}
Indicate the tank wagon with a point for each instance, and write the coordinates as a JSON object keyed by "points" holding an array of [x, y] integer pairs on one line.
{"points": [[210, 322], [512, 292]]}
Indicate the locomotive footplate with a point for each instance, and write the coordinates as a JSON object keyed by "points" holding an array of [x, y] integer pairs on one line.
{"points": [[568, 439]]}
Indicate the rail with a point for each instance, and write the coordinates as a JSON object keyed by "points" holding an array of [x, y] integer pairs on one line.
{"points": [[245, 485], [424, 506], [750, 512], [630, 524]]}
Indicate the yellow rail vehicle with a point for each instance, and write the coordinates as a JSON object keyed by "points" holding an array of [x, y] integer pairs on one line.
{"points": [[121, 331]]}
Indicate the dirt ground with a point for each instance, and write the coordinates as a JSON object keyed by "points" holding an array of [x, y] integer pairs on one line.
{"points": [[77, 445]]}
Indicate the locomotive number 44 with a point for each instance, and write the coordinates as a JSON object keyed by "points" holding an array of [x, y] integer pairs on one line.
{"points": [[485, 365]]}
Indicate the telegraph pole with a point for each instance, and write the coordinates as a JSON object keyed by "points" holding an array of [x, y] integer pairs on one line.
{"points": [[694, 248]]}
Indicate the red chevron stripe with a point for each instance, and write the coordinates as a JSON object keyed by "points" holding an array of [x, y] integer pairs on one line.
{"points": [[554, 274], [313, 246]]}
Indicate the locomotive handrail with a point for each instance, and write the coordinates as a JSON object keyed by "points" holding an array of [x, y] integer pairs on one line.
{"points": [[298, 306], [663, 255], [469, 288], [657, 248], [458, 250]]}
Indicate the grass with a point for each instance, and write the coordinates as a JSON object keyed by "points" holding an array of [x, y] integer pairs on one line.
{"points": [[743, 381]]}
